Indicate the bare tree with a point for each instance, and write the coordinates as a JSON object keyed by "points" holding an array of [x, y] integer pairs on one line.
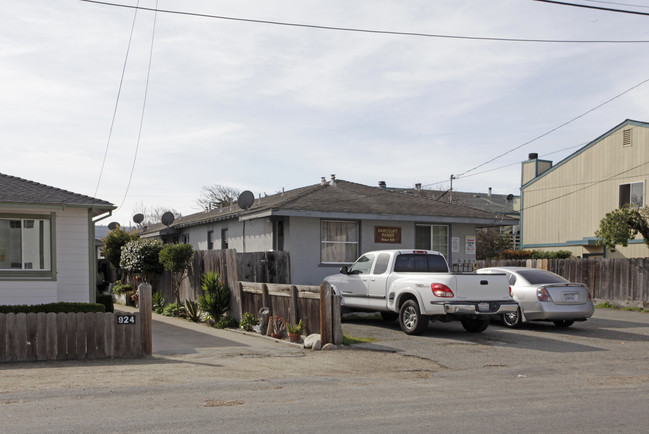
{"points": [[153, 214], [215, 195]]}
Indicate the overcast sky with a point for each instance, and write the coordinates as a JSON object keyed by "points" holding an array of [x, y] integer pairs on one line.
{"points": [[263, 107]]}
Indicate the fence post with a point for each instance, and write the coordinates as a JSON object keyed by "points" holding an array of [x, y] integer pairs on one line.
{"points": [[293, 313], [146, 315], [326, 313]]}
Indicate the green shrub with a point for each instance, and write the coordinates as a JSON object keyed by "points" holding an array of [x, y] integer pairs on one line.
{"points": [[559, 254], [142, 257], [248, 322], [113, 242], [121, 288], [171, 310], [60, 307], [107, 301], [295, 328], [515, 254], [158, 302], [227, 322], [215, 300]]}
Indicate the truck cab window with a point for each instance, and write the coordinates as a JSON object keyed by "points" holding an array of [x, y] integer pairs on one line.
{"points": [[363, 265]]}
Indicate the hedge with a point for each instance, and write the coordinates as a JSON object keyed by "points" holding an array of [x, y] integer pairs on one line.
{"points": [[60, 307]]}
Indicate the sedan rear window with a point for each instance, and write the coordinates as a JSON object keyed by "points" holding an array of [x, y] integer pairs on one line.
{"points": [[541, 276], [417, 263]]}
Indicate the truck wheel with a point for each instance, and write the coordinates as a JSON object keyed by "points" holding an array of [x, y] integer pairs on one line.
{"points": [[512, 319], [389, 316], [411, 320], [475, 325]]}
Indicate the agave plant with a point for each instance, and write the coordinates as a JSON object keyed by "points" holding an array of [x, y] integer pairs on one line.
{"points": [[215, 300], [192, 311]]}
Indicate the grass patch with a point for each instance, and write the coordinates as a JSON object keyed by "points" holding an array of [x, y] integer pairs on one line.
{"points": [[609, 305], [351, 340]]}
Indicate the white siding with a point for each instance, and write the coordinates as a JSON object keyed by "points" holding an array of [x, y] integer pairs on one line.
{"points": [[72, 250]]}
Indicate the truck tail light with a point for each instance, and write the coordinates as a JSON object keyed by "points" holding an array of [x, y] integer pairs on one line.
{"points": [[543, 295], [441, 290]]}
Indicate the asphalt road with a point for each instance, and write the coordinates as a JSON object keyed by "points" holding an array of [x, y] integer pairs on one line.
{"points": [[592, 377]]}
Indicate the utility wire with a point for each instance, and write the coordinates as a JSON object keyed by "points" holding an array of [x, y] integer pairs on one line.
{"points": [[594, 183], [382, 32], [619, 4], [599, 8], [555, 129], [119, 92], [146, 91]]}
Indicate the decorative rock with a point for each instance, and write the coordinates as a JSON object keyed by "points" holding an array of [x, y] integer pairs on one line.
{"points": [[329, 346], [317, 345], [311, 340]]}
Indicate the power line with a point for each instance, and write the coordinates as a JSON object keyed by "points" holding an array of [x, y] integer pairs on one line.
{"points": [[381, 32], [146, 91], [594, 183], [619, 4], [119, 92], [556, 128], [599, 8]]}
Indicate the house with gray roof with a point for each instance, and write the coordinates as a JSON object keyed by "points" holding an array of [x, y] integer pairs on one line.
{"points": [[47, 243], [331, 223]]}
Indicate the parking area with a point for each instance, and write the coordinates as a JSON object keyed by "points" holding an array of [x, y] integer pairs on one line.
{"points": [[611, 339]]}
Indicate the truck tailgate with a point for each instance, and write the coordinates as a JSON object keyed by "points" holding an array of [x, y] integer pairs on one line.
{"points": [[481, 287]]}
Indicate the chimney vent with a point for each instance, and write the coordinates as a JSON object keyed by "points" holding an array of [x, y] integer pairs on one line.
{"points": [[323, 181], [418, 186], [382, 184], [533, 156], [489, 192], [333, 180]]}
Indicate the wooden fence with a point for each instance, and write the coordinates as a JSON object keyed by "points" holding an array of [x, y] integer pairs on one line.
{"points": [[267, 267], [76, 336], [619, 280], [317, 307]]}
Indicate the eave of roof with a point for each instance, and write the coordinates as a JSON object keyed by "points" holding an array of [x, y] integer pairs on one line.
{"points": [[17, 191]]}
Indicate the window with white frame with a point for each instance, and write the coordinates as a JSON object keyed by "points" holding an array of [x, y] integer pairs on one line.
{"points": [[632, 194], [338, 241], [25, 244], [432, 237]]}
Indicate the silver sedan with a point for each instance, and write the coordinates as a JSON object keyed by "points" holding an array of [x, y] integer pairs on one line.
{"points": [[544, 296]]}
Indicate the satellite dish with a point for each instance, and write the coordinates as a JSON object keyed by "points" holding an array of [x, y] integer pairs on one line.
{"points": [[246, 199], [138, 218], [113, 225], [167, 218], [510, 197]]}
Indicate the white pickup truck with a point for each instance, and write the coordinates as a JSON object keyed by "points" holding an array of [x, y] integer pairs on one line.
{"points": [[416, 286]]}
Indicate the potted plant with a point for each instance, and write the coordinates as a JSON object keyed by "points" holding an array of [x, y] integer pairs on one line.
{"points": [[279, 327], [294, 331]]}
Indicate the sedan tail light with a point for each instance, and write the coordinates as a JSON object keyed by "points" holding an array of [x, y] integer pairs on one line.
{"points": [[543, 295], [510, 292], [441, 290]]}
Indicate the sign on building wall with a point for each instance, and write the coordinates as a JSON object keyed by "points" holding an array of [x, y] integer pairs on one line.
{"points": [[455, 244], [469, 245], [387, 234]]}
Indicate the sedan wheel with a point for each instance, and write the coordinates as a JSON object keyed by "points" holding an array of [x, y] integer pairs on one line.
{"points": [[563, 324], [411, 320], [512, 319]]}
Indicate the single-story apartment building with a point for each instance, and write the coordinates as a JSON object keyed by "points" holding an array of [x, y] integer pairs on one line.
{"points": [[47, 243], [329, 224]]}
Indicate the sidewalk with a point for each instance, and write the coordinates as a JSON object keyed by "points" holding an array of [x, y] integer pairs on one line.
{"points": [[173, 335]]}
